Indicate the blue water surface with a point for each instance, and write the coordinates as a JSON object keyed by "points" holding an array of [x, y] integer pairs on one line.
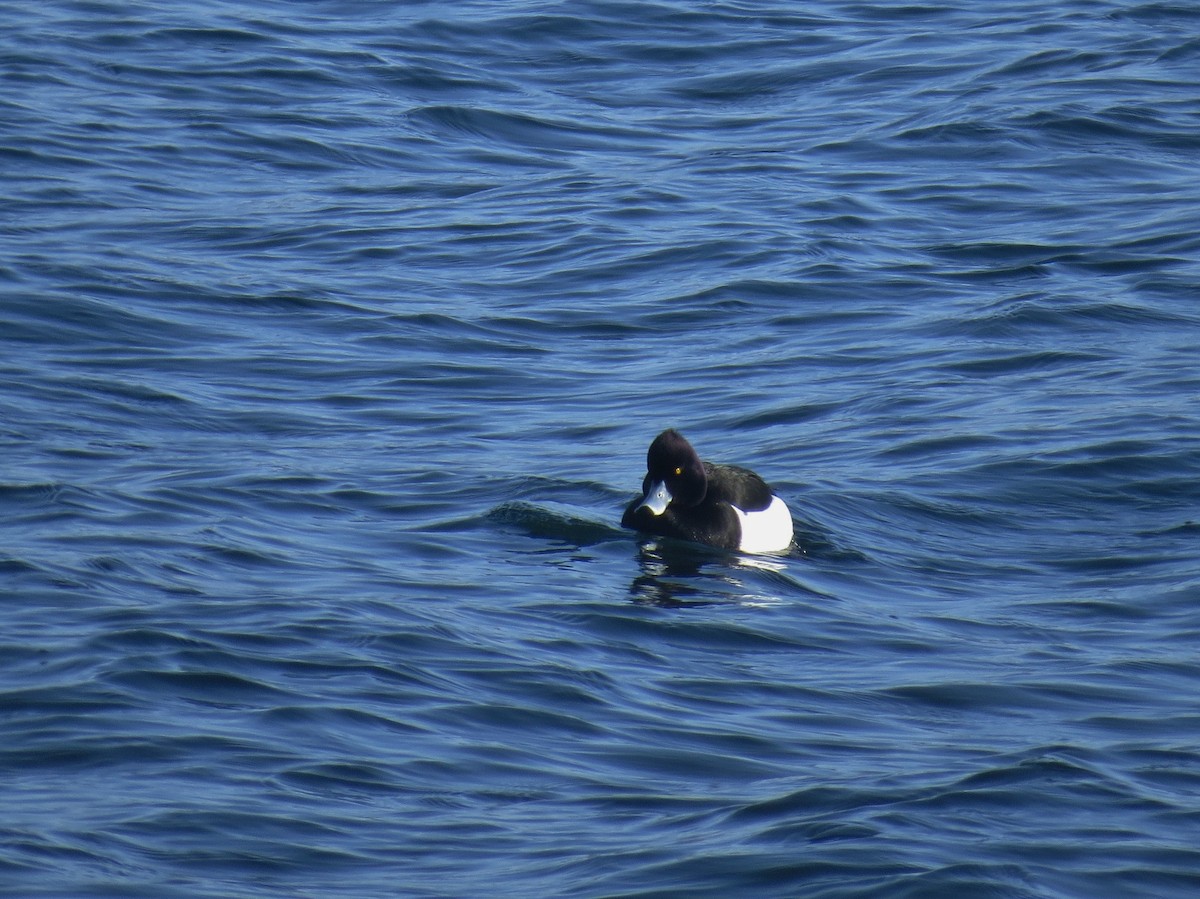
{"points": [[334, 334]]}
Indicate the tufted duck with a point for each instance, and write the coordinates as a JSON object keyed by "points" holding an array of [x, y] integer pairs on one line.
{"points": [[721, 505]]}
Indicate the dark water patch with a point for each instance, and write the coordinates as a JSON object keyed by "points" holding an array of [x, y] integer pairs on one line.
{"points": [[219, 687], [525, 132], [342, 780], [968, 696], [1021, 363], [545, 523]]}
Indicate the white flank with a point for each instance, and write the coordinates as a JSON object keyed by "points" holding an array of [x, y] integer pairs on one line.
{"points": [[768, 531]]}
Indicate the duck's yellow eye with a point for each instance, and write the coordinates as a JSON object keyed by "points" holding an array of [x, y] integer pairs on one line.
{"points": [[678, 471]]}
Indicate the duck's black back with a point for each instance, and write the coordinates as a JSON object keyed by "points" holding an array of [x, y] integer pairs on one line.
{"points": [[737, 486]]}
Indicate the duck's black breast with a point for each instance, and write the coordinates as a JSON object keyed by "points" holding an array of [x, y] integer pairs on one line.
{"points": [[712, 522], [737, 486]]}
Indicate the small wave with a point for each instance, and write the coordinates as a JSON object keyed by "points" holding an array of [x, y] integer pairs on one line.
{"points": [[549, 523], [524, 131]]}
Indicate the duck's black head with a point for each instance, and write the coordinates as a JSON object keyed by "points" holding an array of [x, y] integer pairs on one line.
{"points": [[675, 473]]}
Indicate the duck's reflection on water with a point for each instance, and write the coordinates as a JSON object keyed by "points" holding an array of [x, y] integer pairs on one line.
{"points": [[677, 575]]}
